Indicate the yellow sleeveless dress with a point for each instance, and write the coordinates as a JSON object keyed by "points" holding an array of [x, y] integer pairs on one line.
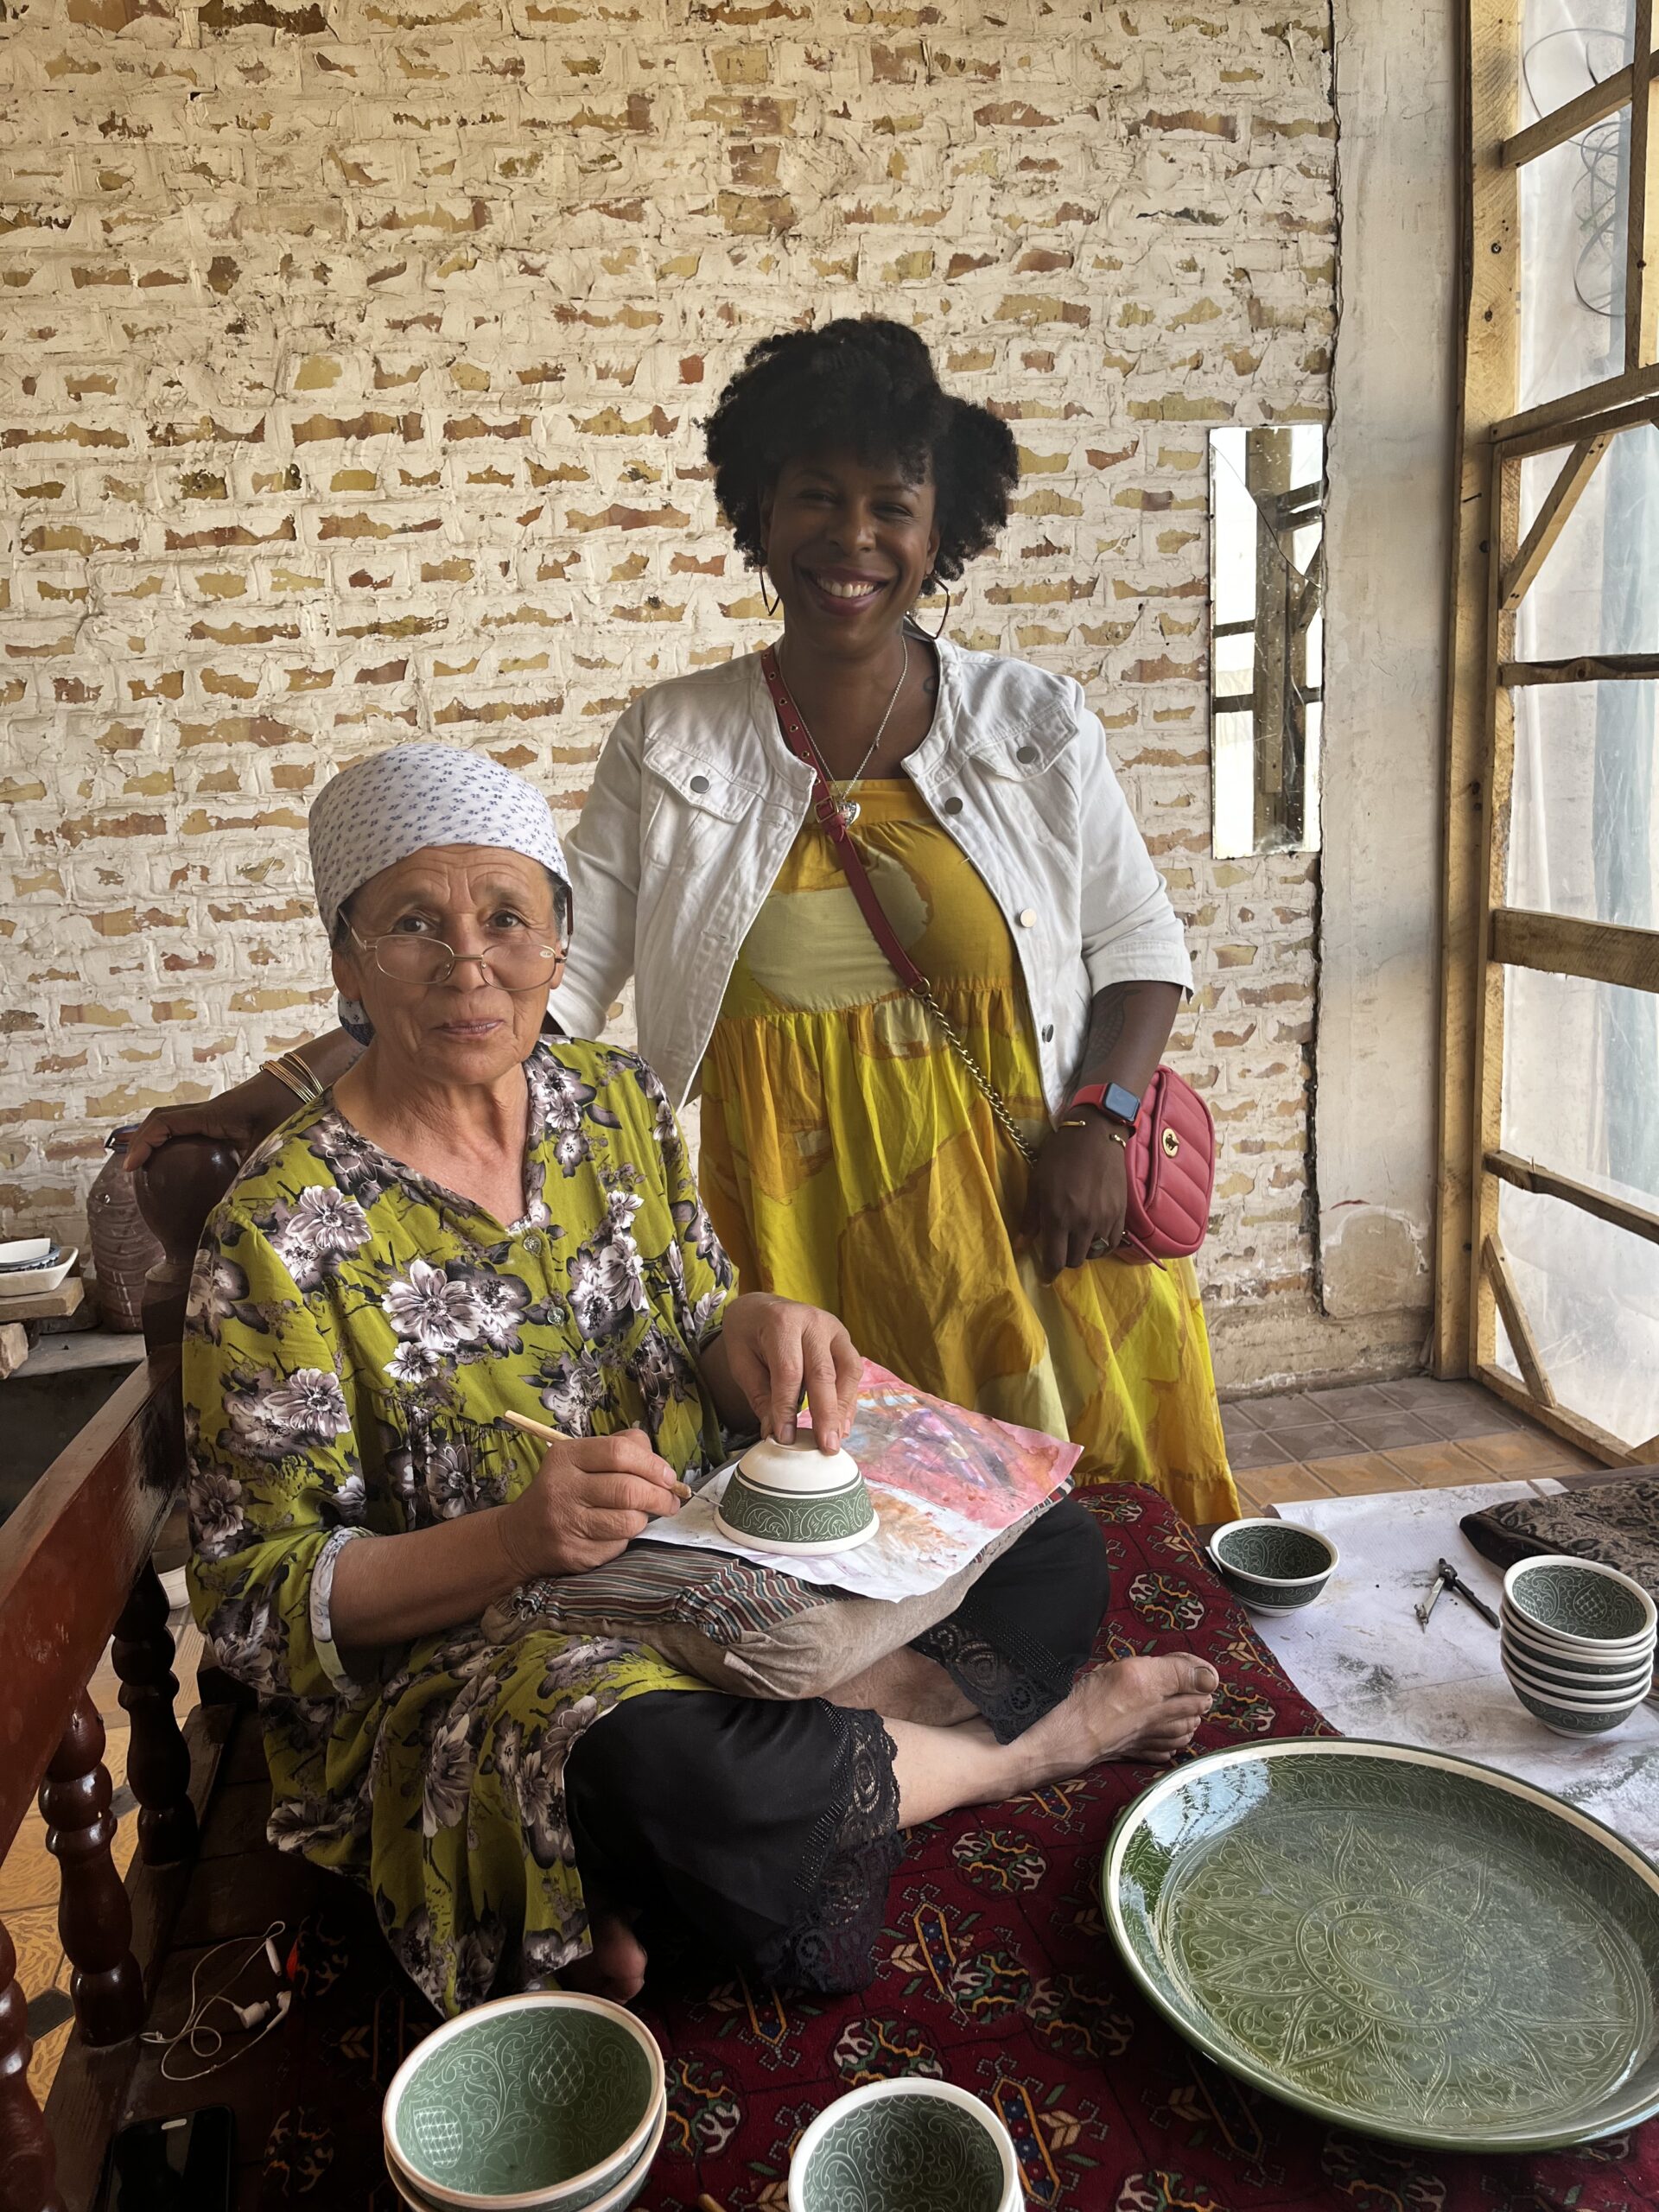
{"points": [[848, 1160]]}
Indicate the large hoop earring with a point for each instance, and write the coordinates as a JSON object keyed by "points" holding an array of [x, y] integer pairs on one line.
{"points": [[771, 605], [935, 635]]}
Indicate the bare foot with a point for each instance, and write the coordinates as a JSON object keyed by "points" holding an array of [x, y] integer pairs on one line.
{"points": [[1130, 1709], [614, 1967]]}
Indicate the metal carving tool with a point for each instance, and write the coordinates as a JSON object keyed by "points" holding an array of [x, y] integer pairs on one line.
{"points": [[1427, 1603], [1450, 1579]]}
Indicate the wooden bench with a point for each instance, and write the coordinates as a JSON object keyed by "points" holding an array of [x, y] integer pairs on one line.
{"points": [[75, 1570]]}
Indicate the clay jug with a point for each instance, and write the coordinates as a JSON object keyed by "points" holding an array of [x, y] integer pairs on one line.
{"points": [[123, 1251]]}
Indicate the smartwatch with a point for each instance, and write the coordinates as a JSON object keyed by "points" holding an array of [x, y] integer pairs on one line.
{"points": [[1110, 1099]]}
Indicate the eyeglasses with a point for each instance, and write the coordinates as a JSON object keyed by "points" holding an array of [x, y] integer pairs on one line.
{"points": [[519, 963]]}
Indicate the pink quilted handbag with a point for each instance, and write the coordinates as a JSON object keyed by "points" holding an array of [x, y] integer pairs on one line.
{"points": [[1171, 1170]]}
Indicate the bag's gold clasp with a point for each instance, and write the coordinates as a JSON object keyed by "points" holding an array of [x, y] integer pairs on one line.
{"points": [[1172, 1143]]}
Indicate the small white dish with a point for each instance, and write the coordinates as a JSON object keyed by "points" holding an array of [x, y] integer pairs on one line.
{"points": [[25, 1251], [29, 1282]]}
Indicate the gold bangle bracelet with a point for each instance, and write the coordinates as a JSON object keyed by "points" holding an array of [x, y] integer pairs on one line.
{"points": [[289, 1081], [305, 1072], [1084, 1121]]}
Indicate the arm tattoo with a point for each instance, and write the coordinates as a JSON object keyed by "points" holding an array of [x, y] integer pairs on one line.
{"points": [[1106, 1019]]}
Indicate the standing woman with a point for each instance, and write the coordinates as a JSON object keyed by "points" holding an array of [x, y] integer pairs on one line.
{"points": [[848, 1158]]}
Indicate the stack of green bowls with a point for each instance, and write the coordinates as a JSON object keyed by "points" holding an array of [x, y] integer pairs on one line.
{"points": [[546, 2102], [1578, 1642]]}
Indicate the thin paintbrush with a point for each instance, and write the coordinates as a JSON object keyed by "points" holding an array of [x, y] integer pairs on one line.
{"points": [[682, 1491]]}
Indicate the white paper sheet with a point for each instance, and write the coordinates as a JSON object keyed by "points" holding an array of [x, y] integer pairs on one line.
{"points": [[937, 1544], [1359, 1656]]}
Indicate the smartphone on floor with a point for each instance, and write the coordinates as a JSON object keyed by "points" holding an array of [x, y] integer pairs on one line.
{"points": [[172, 2165]]}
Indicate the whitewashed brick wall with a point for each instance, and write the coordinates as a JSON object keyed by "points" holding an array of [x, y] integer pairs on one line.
{"points": [[355, 357]]}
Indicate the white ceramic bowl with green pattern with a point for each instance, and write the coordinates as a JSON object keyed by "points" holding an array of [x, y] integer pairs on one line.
{"points": [[1273, 1567], [1580, 1604], [1575, 1678], [1596, 1665], [792, 1497], [909, 2145], [1587, 1693], [542, 2102], [617, 2199], [1573, 1716]]}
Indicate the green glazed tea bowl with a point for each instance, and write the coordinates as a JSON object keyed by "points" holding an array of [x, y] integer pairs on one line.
{"points": [[1603, 1693], [909, 2145], [1577, 1678], [1588, 1609], [617, 2199], [1572, 1717], [542, 2102], [792, 1497], [1271, 1567]]}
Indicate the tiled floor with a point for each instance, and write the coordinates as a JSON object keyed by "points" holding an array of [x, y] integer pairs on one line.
{"points": [[1381, 1436], [1306, 1443]]}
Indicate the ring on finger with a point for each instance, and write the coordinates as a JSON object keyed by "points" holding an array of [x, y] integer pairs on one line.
{"points": [[1099, 1248]]}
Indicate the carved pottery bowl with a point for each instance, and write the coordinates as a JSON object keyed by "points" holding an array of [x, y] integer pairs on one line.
{"points": [[1426, 1912], [1630, 1691], [906, 2146], [1573, 1716], [543, 2102], [1576, 1677], [792, 1497], [1271, 1567], [1587, 1609], [616, 2199]]}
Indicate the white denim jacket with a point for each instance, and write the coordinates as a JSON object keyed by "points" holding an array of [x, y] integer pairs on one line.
{"points": [[696, 800]]}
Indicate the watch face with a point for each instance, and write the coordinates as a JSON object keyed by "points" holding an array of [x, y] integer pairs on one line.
{"points": [[1122, 1105]]}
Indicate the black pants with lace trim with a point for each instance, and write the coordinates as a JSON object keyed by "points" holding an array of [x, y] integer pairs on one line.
{"points": [[769, 1831]]}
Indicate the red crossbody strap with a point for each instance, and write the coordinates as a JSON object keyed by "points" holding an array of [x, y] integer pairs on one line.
{"points": [[833, 826]]}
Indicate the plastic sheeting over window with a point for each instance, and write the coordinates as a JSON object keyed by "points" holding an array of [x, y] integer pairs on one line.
{"points": [[1572, 201], [1581, 1059]]}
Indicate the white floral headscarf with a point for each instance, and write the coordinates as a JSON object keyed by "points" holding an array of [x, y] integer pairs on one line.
{"points": [[381, 809]]}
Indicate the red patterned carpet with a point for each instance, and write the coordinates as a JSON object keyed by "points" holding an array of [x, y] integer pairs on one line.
{"points": [[996, 1971]]}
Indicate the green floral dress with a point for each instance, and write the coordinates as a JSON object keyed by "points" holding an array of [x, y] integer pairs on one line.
{"points": [[356, 1333]]}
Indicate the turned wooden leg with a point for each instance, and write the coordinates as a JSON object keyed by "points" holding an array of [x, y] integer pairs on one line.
{"points": [[94, 1919], [158, 1765], [27, 2166]]}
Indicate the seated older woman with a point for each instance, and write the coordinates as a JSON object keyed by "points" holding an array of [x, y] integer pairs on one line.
{"points": [[477, 1221]]}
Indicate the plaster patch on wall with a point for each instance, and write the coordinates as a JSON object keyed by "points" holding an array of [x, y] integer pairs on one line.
{"points": [[1372, 1259]]}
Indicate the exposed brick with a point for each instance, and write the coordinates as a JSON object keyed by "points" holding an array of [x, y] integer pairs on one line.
{"points": [[358, 352]]}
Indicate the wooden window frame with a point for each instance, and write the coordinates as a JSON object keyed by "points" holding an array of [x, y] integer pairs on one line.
{"points": [[1492, 568]]}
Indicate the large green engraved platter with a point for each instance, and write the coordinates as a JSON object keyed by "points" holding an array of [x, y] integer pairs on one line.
{"points": [[1396, 1941]]}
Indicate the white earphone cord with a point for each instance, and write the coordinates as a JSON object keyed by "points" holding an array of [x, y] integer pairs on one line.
{"points": [[206, 2042]]}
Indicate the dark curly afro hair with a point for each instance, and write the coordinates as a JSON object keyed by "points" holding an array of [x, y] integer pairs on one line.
{"points": [[868, 387]]}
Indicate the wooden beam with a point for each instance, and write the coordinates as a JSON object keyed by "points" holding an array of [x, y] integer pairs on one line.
{"points": [[1573, 428], [1581, 668], [1545, 1183], [1560, 1420], [1497, 779], [1551, 520], [1641, 209], [1565, 122], [1561, 944], [1581, 409], [1488, 279], [1522, 1343]]}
